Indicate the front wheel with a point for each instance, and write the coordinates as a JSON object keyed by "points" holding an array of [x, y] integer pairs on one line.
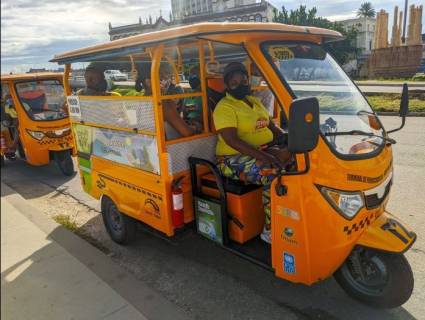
{"points": [[65, 163], [379, 279]]}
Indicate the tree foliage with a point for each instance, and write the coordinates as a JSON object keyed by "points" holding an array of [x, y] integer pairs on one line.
{"points": [[343, 50], [366, 10]]}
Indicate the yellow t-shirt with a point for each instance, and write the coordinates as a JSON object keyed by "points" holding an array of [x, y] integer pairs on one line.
{"points": [[251, 123], [11, 111]]}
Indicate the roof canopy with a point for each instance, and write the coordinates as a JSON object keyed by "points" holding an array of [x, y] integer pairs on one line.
{"points": [[31, 76], [136, 43]]}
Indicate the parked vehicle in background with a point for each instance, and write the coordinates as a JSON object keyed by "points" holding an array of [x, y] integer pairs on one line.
{"points": [[115, 75], [35, 120]]}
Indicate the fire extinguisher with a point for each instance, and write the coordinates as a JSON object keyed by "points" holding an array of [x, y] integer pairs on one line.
{"points": [[177, 213]]}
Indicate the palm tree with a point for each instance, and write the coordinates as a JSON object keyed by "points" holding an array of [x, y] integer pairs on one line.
{"points": [[366, 10]]}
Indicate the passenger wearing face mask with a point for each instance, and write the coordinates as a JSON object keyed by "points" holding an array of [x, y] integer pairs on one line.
{"points": [[245, 133], [96, 84], [175, 126], [265, 95]]}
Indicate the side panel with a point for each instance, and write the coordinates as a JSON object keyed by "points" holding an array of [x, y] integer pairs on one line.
{"points": [[119, 162], [310, 238], [136, 193]]}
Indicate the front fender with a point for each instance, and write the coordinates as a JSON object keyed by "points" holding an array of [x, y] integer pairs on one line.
{"points": [[387, 233]]}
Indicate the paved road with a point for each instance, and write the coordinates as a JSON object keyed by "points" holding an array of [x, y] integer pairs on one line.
{"points": [[210, 283]]}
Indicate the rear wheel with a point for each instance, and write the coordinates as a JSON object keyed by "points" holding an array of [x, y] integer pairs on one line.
{"points": [[379, 279], [121, 228], [64, 162]]}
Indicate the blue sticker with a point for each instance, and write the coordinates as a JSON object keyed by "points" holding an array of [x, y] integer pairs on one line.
{"points": [[288, 263]]}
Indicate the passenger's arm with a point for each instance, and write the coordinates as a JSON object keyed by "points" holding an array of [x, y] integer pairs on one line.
{"points": [[171, 115], [230, 136]]}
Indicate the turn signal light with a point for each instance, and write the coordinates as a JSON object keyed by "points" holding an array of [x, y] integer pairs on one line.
{"points": [[348, 204], [38, 135]]}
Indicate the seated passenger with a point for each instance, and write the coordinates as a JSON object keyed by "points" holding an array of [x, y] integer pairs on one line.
{"points": [[143, 81], [193, 105], [245, 133], [12, 124], [175, 126], [96, 84], [264, 95]]}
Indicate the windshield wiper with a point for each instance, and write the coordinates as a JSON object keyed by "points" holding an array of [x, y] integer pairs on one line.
{"points": [[359, 133]]}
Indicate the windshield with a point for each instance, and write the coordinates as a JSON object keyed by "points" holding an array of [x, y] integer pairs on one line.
{"points": [[42, 99], [312, 72]]}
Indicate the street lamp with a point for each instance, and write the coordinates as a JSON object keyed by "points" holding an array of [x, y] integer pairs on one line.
{"points": [[403, 38]]}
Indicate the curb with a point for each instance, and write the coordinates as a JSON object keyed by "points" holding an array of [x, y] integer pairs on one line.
{"points": [[390, 84], [395, 113], [146, 300]]}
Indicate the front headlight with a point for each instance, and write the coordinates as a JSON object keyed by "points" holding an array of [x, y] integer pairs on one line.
{"points": [[38, 135], [346, 203]]}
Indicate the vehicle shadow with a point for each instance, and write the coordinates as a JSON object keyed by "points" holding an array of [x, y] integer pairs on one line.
{"points": [[21, 176], [196, 274]]}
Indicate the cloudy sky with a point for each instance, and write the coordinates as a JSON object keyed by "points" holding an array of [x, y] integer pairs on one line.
{"points": [[33, 31]]}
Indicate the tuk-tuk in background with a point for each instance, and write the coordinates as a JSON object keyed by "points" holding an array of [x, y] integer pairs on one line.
{"points": [[35, 120], [328, 213]]}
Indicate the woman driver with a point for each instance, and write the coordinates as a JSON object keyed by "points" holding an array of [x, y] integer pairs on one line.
{"points": [[245, 130]]}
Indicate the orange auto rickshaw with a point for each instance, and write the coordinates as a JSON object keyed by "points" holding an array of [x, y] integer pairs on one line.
{"points": [[328, 208], [35, 121]]}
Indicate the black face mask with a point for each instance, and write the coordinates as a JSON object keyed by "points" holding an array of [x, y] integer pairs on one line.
{"points": [[194, 82], [240, 91], [101, 86]]}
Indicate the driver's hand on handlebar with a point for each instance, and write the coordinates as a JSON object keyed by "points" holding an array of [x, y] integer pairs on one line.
{"points": [[269, 160]]}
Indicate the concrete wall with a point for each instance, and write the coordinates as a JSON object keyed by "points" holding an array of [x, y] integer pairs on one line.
{"points": [[394, 62]]}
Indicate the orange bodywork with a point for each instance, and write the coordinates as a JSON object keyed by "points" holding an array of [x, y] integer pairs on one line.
{"points": [[304, 224], [57, 133]]}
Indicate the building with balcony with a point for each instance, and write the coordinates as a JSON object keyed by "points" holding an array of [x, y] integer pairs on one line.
{"points": [[366, 32]]}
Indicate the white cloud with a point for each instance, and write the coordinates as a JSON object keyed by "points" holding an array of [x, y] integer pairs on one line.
{"points": [[33, 31]]}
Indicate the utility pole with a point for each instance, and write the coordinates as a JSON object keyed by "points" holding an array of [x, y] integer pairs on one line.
{"points": [[403, 38]]}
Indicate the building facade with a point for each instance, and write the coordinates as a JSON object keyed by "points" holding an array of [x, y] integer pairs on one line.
{"points": [[366, 32], [194, 11]]}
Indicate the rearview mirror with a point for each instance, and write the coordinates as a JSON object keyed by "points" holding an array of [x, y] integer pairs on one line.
{"points": [[404, 103], [303, 125], [404, 107]]}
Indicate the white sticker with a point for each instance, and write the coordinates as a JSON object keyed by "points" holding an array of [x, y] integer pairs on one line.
{"points": [[178, 201], [74, 106], [132, 117]]}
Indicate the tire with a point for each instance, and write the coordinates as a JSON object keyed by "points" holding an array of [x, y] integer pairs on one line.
{"points": [[387, 280], [2, 161], [21, 151], [121, 228], [65, 163]]}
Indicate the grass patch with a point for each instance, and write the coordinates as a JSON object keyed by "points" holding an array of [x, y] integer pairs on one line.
{"points": [[390, 102], [66, 221], [417, 77], [71, 225]]}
